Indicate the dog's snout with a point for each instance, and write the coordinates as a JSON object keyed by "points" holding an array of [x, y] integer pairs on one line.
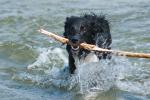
{"points": [[74, 39]]}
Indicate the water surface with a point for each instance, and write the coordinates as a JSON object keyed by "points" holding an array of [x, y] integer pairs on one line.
{"points": [[33, 67]]}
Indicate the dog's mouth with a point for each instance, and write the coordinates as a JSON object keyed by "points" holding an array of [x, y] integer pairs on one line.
{"points": [[75, 48]]}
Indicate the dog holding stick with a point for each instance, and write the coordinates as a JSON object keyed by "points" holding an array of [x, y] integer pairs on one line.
{"points": [[91, 29]]}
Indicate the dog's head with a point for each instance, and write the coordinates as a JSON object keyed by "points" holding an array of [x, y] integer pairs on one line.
{"points": [[74, 29], [89, 29]]}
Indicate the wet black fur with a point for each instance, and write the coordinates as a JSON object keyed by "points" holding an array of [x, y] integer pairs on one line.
{"points": [[90, 28]]}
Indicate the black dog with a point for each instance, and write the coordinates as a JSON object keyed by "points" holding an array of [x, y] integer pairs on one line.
{"points": [[91, 29]]}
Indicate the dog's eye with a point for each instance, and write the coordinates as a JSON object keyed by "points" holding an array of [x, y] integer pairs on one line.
{"points": [[72, 31], [72, 28], [82, 28]]}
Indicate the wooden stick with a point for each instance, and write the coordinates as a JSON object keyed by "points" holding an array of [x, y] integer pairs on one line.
{"points": [[95, 48]]}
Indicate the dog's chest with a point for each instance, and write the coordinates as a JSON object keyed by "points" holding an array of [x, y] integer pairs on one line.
{"points": [[91, 57]]}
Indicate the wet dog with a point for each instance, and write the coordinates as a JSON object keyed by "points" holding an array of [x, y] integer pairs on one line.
{"points": [[91, 29]]}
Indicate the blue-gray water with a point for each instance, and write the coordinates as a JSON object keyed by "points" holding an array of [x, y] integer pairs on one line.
{"points": [[32, 65]]}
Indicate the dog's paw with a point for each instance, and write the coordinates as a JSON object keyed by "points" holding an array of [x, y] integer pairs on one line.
{"points": [[103, 55], [99, 54]]}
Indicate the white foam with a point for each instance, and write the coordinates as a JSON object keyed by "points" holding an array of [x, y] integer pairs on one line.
{"points": [[90, 76], [48, 58]]}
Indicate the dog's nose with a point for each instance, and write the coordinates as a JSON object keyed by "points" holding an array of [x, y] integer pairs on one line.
{"points": [[74, 40]]}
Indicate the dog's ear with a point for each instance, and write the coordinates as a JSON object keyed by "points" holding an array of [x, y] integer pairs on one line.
{"points": [[65, 34], [67, 18], [66, 27]]}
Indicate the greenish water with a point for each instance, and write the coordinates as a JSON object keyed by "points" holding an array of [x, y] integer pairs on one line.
{"points": [[32, 65]]}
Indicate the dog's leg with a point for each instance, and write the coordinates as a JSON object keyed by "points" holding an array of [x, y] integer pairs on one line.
{"points": [[71, 60], [72, 66], [103, 55], [107, 55]]}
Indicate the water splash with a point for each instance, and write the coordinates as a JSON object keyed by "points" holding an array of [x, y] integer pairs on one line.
{"points": [[90, 77], [48, 58], [96, 76]]}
